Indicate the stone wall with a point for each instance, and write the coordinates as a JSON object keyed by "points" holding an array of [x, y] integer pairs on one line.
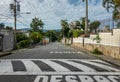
{"points": [[107, 50], [109, 44]]}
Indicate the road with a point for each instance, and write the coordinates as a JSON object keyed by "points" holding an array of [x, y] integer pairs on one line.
{"points": [[55, 62]]}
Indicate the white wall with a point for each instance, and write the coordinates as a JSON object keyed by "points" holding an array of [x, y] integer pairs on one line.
{"points": [[106, 38]]}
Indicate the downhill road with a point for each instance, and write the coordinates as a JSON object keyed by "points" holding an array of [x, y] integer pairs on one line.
{"points": [[55, 62]]}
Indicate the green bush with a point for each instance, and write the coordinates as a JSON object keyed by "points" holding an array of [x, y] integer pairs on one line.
{"points": [[97, 38], [36, 37], [21, 37], [76, 33], [23, 44], [96, 51]]}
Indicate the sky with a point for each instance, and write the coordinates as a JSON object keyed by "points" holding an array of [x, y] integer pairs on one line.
{"points": [[51, 12]]}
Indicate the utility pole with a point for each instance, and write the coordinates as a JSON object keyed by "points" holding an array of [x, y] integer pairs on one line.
{"points": [[86, 18], [15, 10], [15, 25]]}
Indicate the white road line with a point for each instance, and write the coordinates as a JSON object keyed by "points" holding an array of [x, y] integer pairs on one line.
{"points": [[79, 66], [6, 66], [30, 66], [55, 66], [100, 65], [100, 61], [62, 73]]}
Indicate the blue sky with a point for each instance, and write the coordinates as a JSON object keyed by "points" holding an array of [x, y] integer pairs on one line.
{"points": [[52, 11]]}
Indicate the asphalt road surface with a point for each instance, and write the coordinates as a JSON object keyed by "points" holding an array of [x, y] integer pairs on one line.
{"points": [[55, 63]]}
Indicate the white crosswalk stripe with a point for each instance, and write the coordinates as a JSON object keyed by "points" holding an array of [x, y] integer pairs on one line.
{"points": [[100, 65], [30, 66], [55, 66], [6, 66], [79, 66]]}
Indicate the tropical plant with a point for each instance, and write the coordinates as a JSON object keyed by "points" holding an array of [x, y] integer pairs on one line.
{"points": [[97, 38], [21, 37], [23, 43], [94, 25], [52, 35], [36, 24], [76, 33], [114, 4], [35, 37], [65, 29]]}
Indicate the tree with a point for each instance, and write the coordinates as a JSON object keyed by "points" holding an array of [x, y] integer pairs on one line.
{"points": [[35, 37], [76, 33], [36, 24], [114, 4], [52, 35], [2, 25], [21, 37], [9, 28], [82, 24], [94, 25], [65, 29]]}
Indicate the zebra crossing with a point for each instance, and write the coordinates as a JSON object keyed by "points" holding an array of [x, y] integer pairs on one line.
{"points": [[8, 66]]}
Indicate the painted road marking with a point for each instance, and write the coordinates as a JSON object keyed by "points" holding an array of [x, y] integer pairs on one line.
{"points": [[100, 65], [65, 52], [77, 78], [6, 66], [56, 65], [79, 66], [30, 66], [60, 73]]}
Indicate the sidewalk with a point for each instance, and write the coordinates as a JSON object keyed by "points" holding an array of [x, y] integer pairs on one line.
{"points": [[102, 57], [5, 53]]}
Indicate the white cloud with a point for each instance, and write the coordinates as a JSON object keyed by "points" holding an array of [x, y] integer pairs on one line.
{"points": [[52, 11]]}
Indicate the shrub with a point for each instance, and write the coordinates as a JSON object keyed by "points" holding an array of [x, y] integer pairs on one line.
{"points": [[97, 38], [23, 44], [21, 37], [96, 51], [36, 37], [76, 33]]}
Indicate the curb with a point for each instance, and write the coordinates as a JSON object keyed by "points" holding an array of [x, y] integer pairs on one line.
{"points": [[87, 52], [5, 54]]}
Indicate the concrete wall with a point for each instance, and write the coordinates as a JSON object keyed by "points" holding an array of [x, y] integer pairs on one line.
{"points": [[7, 40], [109, 44]]}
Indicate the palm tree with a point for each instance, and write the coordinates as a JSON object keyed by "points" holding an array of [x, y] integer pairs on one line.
{"points": [[65, 29], [114, 4]]}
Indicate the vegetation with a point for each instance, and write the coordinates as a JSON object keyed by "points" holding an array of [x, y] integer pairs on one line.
{"points": [[65, 29], [21, 37], [94, 25], [97, 38], [23, 44], [53, 35], [112, 4], [76, 33], [9, 28], [2, 25], [97, 52], [35, 37], [36, 24]]}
